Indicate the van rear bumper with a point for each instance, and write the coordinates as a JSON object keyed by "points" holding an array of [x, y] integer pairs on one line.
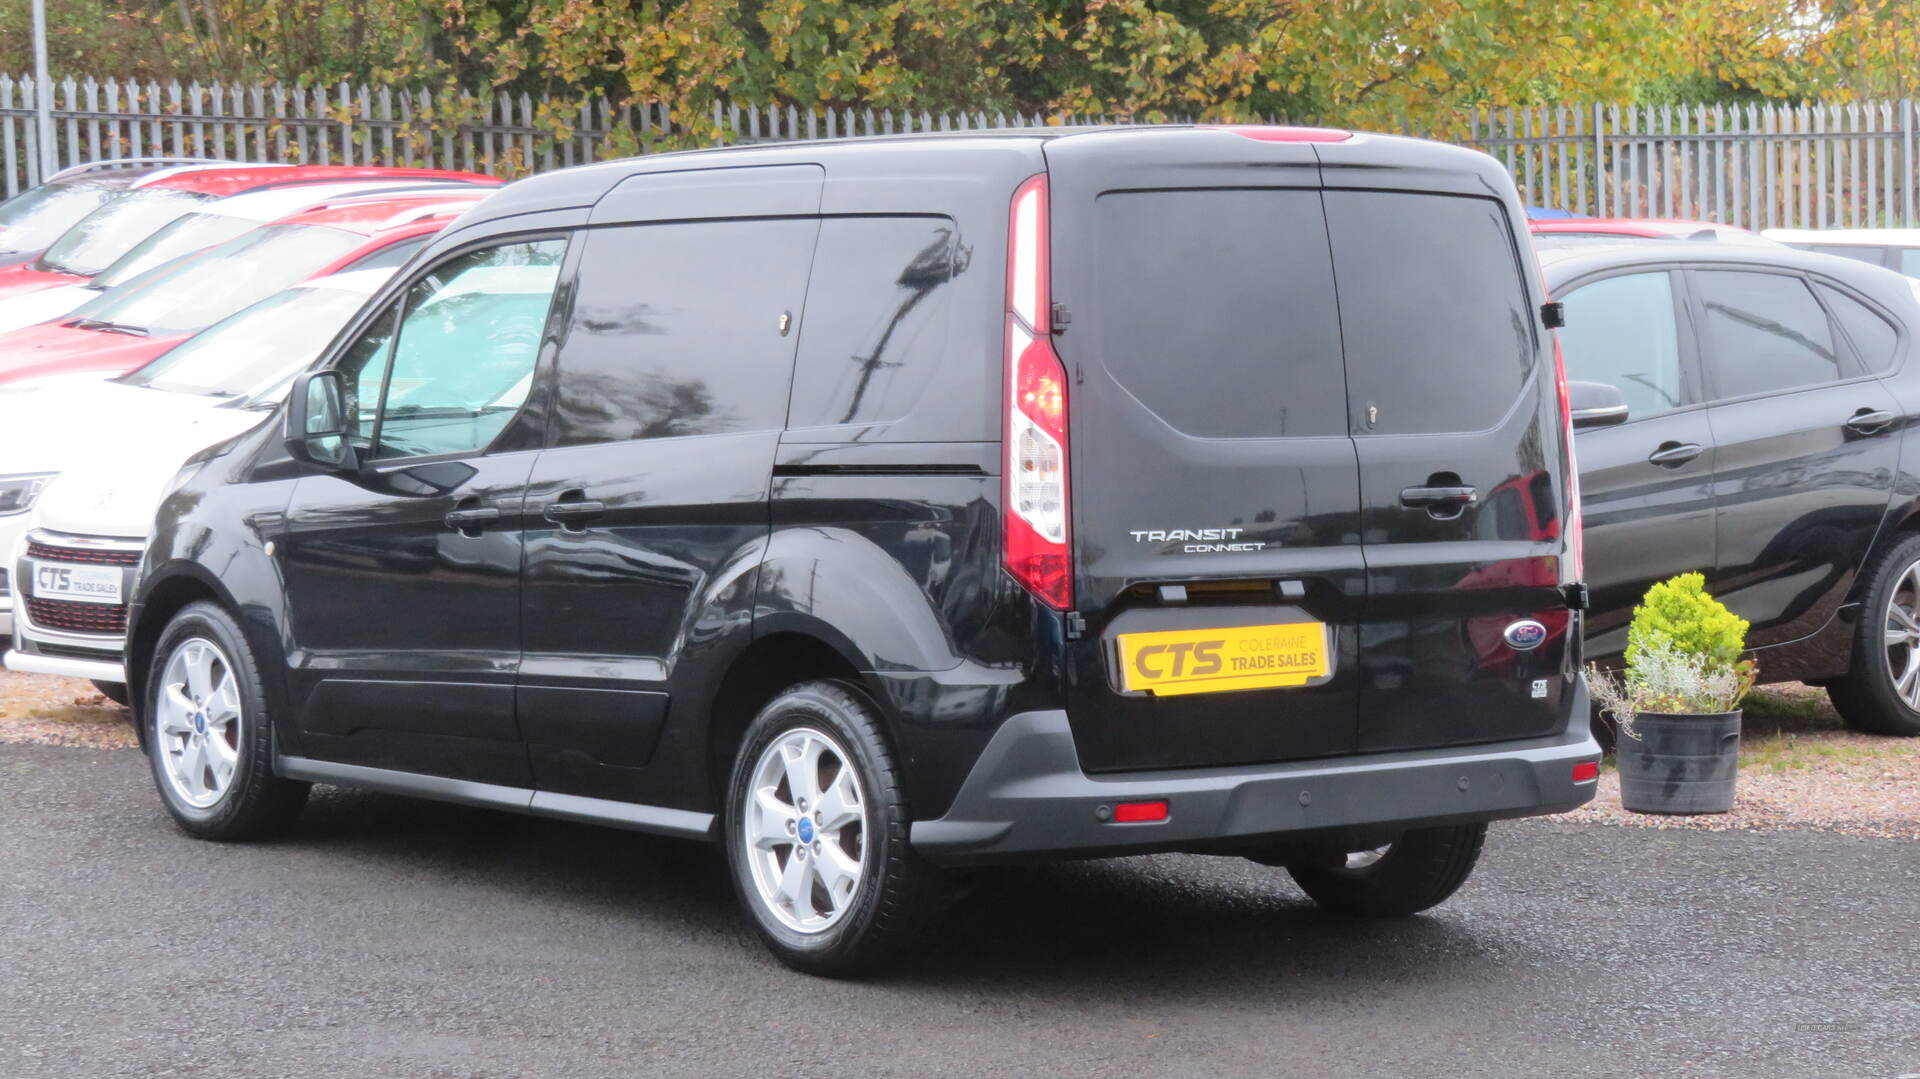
{"points": [[1026, 796]]}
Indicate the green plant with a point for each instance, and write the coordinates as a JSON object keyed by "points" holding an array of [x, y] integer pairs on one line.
{"points": [[1683, 657]]}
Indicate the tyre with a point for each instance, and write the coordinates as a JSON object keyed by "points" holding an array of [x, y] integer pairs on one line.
{"points": [[209, 741], [1880, 693], [816, 834], [1416, 871], [114, 692]]}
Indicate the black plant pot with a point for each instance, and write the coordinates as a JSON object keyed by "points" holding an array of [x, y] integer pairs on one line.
{"points": [[1679, 764]]}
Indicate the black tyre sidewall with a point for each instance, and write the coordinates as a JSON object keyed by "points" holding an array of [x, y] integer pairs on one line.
{"points": [[863, 936], [1420, 870], [1865, 697], [255, 796]]}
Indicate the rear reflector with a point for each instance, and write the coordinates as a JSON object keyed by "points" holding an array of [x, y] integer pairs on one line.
{"points": [[1586, 771], [1139, 812]]}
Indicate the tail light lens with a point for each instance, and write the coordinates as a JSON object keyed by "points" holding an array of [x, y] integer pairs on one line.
{"points": [[1575, 537], [1035, 514]]}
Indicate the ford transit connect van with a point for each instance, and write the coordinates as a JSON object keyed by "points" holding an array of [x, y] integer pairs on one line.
{"points": [[878, 507]]}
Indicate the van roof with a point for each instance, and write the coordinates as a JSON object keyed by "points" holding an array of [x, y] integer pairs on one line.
{"points": [[858, 156]]}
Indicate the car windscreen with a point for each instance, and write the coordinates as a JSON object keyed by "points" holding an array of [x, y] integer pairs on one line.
{"points": [[108, 232], [219, 282], [260, 347], [36, 217], [183, 236]]}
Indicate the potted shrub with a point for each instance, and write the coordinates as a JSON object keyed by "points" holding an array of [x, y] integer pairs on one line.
{"points": [[1678, 700]]}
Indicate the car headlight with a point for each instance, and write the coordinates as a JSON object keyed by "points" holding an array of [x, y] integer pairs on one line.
{"points": [[18, 492]]}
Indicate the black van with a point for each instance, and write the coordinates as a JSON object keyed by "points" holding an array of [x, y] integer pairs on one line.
{"points": [[883, 506]]}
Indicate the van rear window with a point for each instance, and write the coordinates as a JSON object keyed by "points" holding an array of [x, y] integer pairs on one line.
{"points": [[1437, 324], [1216, 310]]}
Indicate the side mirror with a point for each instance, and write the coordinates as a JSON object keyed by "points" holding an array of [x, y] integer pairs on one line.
{"points": [[316, 422], [1596, 404]]}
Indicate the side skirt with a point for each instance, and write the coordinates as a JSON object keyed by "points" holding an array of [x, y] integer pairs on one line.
{"points": [[681, 823]]}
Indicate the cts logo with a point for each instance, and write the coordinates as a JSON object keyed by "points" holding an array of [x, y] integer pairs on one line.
{"points": [[1170, 660]]}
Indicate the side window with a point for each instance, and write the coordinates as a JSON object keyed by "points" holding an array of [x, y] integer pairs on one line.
{"points": [[462, 363], [1622, 331], [1874, 339], [1765, 332], [685, 328], [876, 318], [364, 369], [1434, 312]]}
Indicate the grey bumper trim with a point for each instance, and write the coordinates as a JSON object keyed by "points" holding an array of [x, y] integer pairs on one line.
{"points": [[1027, 795]]}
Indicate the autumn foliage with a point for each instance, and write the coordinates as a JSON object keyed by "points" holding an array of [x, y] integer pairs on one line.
{"points": [[1418, 64]]}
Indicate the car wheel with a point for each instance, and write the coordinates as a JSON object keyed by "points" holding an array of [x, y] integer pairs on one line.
{"points": [[816, 834], [1414, 872], [1880, 693], [113, 691], [208, 737]]}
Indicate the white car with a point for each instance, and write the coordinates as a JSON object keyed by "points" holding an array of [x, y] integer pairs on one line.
{"points": [[87, 462], [215, 223], [1896, 249]]}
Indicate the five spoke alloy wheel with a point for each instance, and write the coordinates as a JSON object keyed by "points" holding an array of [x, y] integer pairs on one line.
{"points": [[199, 722], [1903, 637], [804, 830]]}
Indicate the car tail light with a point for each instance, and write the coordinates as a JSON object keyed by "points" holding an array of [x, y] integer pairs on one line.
{"points": [[1035, 510], [1575, 537]]}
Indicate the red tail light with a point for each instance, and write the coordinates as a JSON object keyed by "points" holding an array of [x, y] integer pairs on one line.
{"points": [[1035, 511], [1575, 537]]}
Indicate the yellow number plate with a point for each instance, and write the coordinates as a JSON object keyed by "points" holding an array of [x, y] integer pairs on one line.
{"points": [[1215, 660]]}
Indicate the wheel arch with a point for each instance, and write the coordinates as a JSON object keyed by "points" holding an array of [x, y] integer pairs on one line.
{"points": [[170, 592]]}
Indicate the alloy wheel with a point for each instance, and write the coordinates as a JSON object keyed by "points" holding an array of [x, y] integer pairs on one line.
{"points": [[805, 828], [1903, 637], [197, 720]]}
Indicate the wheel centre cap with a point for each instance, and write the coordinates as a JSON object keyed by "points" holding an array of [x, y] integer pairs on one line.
{"points": [[199, 723], [806, 830]]}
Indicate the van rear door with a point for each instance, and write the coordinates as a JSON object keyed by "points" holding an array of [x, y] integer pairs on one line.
{"points": [[1456, 418], [1215, 491]]}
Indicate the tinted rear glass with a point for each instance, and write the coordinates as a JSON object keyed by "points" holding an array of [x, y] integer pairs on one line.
{"points": [[1216, 310], [1437, 323], [1766, 332], [877, 313], [1874, 338]]}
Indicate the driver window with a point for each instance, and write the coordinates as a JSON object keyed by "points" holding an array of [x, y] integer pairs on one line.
{"points": [[462, 361], [1622, 331]]}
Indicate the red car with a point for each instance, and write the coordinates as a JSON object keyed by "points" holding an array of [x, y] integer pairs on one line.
{"points": [[1576, 229], [138, 321], [151, 203]]}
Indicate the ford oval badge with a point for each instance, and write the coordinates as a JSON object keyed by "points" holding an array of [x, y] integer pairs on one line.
{"points": [[1525, 635]]}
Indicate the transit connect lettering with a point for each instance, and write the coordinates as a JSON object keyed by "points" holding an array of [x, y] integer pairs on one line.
{"points": [[1199, 540]]}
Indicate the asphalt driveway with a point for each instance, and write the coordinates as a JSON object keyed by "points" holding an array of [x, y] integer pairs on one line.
{"points": [[393, 937]]}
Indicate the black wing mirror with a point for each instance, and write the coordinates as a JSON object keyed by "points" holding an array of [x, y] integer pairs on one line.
{"points": [[1596, 404], [316, 422]]}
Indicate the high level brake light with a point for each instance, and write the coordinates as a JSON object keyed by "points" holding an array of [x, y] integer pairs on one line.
{"points": [[1035, 507]]}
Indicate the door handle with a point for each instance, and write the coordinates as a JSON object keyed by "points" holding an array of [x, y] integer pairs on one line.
{"points": [[573, 513], [1675, 454], [1440, 497], [470, 520], [1870, 421]]}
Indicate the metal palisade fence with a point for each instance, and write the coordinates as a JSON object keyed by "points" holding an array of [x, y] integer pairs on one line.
{"points": [[508, 135], [1755, 165], [1759, 166]]}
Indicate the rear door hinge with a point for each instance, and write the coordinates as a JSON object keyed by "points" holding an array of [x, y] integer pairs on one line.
{"points": [[1060, 316], [1577, 597], [1076, 625]]}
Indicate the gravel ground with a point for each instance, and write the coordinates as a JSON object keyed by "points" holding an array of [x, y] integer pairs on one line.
{"points": [[39, 710], [1800, 767]]}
